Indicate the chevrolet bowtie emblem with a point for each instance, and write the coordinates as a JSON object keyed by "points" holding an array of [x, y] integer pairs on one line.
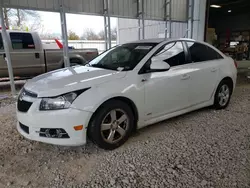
{"points": [[22, 96]]}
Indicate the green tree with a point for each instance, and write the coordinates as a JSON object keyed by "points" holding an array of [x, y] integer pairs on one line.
{"points": [[72, 35]]}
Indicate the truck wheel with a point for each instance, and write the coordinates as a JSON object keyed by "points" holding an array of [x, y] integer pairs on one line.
{"points": [[76, 61]]}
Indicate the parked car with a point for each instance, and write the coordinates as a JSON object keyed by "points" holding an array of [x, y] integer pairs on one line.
{"points": [[29, 58], [125, 88]]}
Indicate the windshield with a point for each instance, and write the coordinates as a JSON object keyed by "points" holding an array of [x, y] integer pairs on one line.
{"points": [[123, 57]]}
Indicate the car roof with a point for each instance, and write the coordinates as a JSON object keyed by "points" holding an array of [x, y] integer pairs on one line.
{"points": [[159, 40], [156, 40]]}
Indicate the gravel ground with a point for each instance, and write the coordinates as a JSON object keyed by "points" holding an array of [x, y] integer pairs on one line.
{"points": [[206, 148]]}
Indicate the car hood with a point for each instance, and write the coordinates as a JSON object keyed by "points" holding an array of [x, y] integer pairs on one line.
{"points": [[70, 79]]}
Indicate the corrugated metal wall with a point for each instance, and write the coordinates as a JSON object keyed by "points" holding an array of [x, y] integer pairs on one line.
{"points": [[199, 16], [179, 10], [124, 8], [154, 9], [128, 29]]}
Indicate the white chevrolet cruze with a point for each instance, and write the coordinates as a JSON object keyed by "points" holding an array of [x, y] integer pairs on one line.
{"points": [[125, 88]]}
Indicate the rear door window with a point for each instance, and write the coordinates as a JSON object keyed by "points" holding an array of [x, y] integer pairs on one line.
{"points": [[200, 52], [22, 41], [213, 54]]}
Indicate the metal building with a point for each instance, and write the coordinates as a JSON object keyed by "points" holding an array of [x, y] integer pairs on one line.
{"points": [[127, 29], [184, 18], [169, 18]]}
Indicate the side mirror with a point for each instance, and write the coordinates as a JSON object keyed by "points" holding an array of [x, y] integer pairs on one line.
{"points": [[158, 65]]}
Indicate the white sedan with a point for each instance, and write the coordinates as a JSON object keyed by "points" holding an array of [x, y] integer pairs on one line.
{"points": [[125, 88]]}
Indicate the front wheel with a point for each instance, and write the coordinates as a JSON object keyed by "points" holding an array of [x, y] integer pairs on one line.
{"points": [[223, 95], [111, 125]]}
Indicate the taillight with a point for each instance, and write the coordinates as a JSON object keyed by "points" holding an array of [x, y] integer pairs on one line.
{"points": [[235, 64]]}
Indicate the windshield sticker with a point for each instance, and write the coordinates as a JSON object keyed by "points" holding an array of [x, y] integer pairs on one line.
{"points": [[143, 47], [120, 68]]}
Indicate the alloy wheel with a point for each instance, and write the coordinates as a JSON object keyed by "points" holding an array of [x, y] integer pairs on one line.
{"points": [[114, 126], [224, 95]]}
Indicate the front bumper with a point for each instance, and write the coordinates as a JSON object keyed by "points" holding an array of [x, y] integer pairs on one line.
{"points": [[64, 119]]}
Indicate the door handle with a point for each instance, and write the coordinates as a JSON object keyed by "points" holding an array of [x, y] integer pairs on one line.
{"points": [[37, 55], [144, 80], [213, 69], [185, 77]]}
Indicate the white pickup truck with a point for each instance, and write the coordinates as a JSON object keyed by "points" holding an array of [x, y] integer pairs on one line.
{"points": [[29, 58]]}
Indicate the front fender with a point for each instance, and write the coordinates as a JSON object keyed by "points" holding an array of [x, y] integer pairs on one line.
{"points": [[93, 98]]}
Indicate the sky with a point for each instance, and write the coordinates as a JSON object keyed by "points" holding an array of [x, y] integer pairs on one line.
{"points": [[50, 22]]}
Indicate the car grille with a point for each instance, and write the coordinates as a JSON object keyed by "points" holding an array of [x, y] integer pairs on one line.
{"points": [[24, 128], [23, 106]]}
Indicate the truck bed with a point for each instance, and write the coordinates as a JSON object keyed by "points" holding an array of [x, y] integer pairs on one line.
{"points": [[54, 57]]}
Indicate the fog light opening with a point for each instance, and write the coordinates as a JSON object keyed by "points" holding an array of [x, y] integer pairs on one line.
{"points": [[53, 133]]}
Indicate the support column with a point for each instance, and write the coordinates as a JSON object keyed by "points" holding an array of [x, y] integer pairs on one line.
{"points": [[64, 35], [7, 52], [199, 17], [190, 18], [141, 19], [105, 31], [107, 27], [139, 29], [168, 19]]}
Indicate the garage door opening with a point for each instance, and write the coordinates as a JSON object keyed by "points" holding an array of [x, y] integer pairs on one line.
{"points": [[228, 27]]}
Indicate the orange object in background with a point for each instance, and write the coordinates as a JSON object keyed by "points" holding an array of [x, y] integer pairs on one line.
{"points": [[60, 45]]}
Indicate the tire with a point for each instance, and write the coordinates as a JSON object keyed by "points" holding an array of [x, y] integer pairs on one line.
{"points": [[105, 130], [223, 94], [75, 62]]}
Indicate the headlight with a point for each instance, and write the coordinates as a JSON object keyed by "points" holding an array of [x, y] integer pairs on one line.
{"points": [[61, 102]]}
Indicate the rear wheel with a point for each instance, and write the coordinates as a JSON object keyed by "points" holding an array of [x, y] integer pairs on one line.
{"points": [[223, 94], [111, 125], [75, 62]]}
